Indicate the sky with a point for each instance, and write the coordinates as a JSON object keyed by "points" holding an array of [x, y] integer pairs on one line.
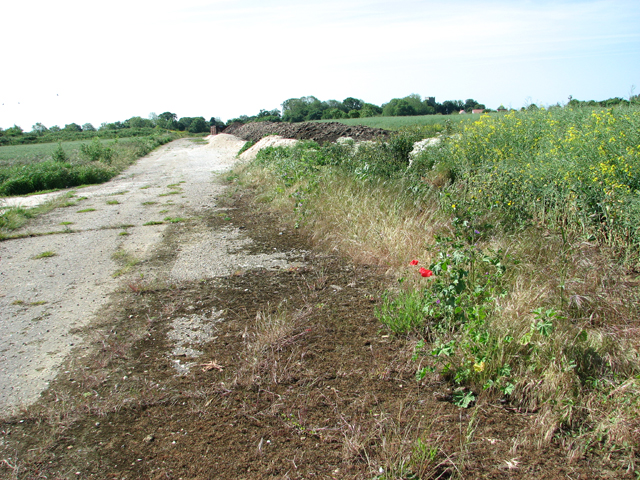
{"points": [[67, 61]]}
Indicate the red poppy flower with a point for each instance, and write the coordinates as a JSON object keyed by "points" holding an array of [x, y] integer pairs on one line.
{"points": [[425, 272], [413, 262]]}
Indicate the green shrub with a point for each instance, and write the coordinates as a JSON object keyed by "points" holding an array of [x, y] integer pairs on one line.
{"points": [[96, 151], [59, 155]]}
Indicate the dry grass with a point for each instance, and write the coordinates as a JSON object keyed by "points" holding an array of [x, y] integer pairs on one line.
{"points": [[372, 223], [266, 360]]}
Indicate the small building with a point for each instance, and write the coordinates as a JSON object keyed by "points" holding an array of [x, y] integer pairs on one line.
{"points": [[477, 110]]}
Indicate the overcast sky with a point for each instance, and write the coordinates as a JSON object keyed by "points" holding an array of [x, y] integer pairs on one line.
{"points": [[81, 61]]}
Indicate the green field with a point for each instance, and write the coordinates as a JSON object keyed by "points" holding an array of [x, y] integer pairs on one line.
{"points": [[23, 154], [396, 123]]}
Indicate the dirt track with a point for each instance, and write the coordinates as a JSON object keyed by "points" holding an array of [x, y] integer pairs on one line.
{"points": [[45, 301]]}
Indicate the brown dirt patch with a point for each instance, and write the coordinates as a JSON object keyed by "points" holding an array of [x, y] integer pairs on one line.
{"points": [[319, 132], [325, 393]]}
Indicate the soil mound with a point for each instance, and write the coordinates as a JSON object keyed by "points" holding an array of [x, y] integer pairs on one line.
{"points": [[319, 132]]}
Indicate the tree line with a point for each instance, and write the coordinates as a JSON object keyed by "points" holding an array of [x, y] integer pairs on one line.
{"points": [[132, 127], [294, 110], [305, 109]]}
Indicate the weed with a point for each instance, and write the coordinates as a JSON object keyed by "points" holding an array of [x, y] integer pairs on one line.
{"points": [[149, 203], [152, 222], [84, 210], [245, 147], [66, 223], [47, 254], [126, 259], [113, 202], [174, 219]]}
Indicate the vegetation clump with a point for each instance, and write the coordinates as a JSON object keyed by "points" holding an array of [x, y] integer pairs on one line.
{"points": [[516, 246]]}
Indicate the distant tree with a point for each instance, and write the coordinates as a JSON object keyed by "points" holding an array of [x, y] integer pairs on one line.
{"points": [[470, 104], [331, 104], [55, 129], [72, 127], [87, 127], [268, 116], [354, 114], [184, 122], [198, 125], [14, 131], [404, 108], [39, 129], [351, 103], [450, 106], [168, 120], [139, 122], [113, 126], [240, 119], [216, 122], [302, 109], [409, 105], [333, 113], [370, 110]]}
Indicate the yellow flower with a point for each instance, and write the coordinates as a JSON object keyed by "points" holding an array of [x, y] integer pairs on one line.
{"points": [[479, 367]]}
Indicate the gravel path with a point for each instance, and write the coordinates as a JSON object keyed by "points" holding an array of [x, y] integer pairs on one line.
{"points": [[43, 301]]}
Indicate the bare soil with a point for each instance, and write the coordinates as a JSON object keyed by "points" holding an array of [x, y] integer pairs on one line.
{"points": [[325, 394]]}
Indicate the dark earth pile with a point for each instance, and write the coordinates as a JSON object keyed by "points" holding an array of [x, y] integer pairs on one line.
{"points": [[319, 132]]}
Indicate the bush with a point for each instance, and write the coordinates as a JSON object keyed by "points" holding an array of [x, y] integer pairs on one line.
{"points": [[96, 151], [59, 155]]}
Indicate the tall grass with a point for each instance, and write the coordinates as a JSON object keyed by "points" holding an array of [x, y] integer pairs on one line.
{"points": [[522, 225]]}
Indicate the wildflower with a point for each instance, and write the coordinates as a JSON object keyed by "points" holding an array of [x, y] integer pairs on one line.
{"points": [[478, 367], [413, 262], [425, 272]]}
